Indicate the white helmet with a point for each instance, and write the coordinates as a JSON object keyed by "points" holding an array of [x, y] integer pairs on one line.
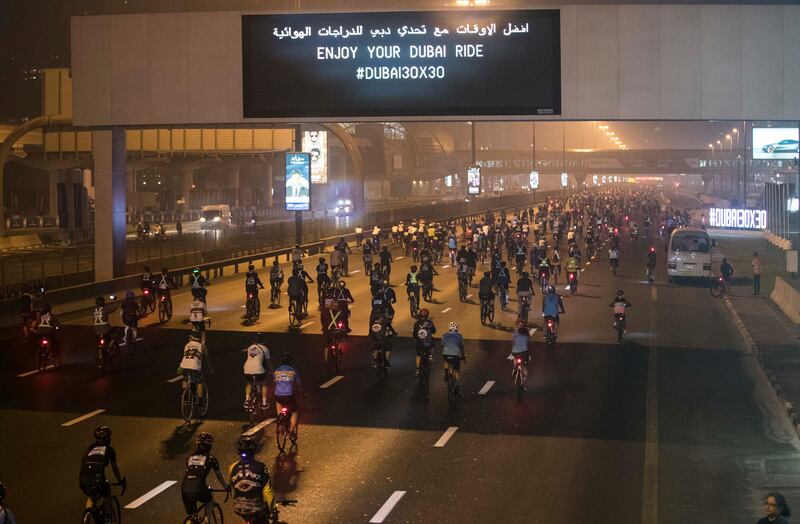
{"points": [[452, 326]]}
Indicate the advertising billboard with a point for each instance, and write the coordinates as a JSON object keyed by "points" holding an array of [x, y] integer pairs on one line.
{"points": [[775, 143], [298, 181], [315, 143], [737, 218], [380, 65], [534, 179], [564, 179], [474, 181]]}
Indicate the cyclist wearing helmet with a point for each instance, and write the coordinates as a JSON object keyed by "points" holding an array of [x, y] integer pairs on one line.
{"points": [[194, 354], [453, 352], [344, 298], [620, 303], [524, 288], [92, 478], [197, 316], [199, 283], [165, 283], [412, 283], [6, 515], [651, 257], [275, 279], [485, 287], [253, 499], [386, 262], [552, 304], [422, 332], [194, 487], [147, 280], [380, 333], [287, 385], [256, 367], [131, 313], [252, 282], [100, 313]]}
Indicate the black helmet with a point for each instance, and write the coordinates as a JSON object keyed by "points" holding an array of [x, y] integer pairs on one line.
{"points": [[620, 293], [321, 259], [413, 269], [487, 274], [164, 270], [246, 446], [102, 433], [205, 439], [251, 267], [259, 338], [146, 268], [100, 301], [286, 358], [423, 313], [525, 274]]}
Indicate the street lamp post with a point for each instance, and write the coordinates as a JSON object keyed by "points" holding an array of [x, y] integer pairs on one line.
{"points": [[729, 138], [713, 158]]}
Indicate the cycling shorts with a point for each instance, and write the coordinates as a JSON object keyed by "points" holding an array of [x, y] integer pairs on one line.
{"points": [[525, 356], [614, 261], [454, 361], [422, 350], [199, 326], [131, 321], [94, 486], [257, 378], [289, 401], [192, 499]]}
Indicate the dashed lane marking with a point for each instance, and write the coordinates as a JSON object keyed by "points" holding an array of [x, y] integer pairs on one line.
{"points": [[306, 325], [387, 507], [445, 267], [355, 271], [400, 258], [82, 418], [258, 427], [446, 310], [29, 373], [486, 387], [150, 494], [469, 296], [444, 438], [331, 382], [175, 379]]}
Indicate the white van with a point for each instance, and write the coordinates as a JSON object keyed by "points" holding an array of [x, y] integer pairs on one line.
{"points": [[689, 253], [215, 216]]}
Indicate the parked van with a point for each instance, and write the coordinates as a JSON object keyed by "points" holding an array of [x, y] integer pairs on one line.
{"points": [[689, 253]]}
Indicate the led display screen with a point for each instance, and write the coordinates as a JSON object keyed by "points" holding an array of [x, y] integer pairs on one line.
{"points": [[298, 181], [474, 181], [534, 179], [775, 143], [402, 64]]}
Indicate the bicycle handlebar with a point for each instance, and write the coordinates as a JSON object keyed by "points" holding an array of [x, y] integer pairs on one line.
{"points": [[123, 483]]}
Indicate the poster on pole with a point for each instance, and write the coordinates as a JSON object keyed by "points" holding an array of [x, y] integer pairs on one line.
{"points": [[315, 143], [298, 181], [474, 181], [534, 179], [564, 179]]}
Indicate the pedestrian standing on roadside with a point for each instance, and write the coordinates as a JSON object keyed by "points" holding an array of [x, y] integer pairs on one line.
{"points": [[756, 274], [179, 229], [775, 509]]}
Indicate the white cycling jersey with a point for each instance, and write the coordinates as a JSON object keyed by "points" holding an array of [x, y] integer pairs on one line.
{"points": [[257, 355]]}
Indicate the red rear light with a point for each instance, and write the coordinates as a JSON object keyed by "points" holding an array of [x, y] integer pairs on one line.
{"points": [[340, 325], [550, 323], [102, 341], [284, 410], [519, 361], [626, 217], [572, 276], [45, 341], [146, 291]]}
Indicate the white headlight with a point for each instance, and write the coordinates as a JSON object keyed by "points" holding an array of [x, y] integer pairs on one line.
{"points": [[217, 219], [202, 219]]}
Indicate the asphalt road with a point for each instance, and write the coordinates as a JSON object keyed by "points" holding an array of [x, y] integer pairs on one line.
{"points": [[663, 428]]}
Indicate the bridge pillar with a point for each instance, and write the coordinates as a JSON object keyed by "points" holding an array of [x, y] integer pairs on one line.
{"points": [[110, 176], [707, 181], [232, 182], [187, 183], [55, 177]]}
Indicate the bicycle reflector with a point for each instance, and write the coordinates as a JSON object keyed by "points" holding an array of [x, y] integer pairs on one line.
{"points": [[102, 341], [45, 341], [284, 410], [146, 291], [340, 325], [519, 361], [549, 323]]}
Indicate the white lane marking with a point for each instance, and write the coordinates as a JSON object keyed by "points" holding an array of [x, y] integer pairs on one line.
{"points": [[355, 271], [444, 438], [469, 296], [486, 387], [445, 310], [258, 427], [306, 324], [29, 373], [400, 258], [445, 267], [331, 382], [387, 507], [588, 263], [175, 379], [150, 494], [82, 418], [650, 484]]}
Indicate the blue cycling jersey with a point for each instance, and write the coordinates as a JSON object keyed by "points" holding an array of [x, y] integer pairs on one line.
{"points": [[550, 305], [287, 381], [452, 342]]}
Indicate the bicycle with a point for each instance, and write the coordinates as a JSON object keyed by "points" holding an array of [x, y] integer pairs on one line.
{"points": [[572, 281], [550, 332], [651, 278], [462, 289], [452, 386], [107, 356], [487, 310], [380, 363], [283, 430], [427, 292], [524, 308], [543, 280], [48, 353], [413, 304], [252, 307], [425, 371], [106, 511], [252, 405], [148, 302], [520, 375], [295, 312], [503, 297], [191, 403], [275, 296], [216, 511], [164, 308], [334, 360], [718, 287]]}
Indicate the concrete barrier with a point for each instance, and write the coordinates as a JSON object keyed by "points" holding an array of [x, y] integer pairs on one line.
{"points": [[775, 240], [787, 298], [20, 241]]}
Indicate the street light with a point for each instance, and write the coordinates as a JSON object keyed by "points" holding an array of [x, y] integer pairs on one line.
{"points": [[713, 161]]}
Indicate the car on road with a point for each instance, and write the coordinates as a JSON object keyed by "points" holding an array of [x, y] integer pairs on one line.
{"points": [[784, 146]]}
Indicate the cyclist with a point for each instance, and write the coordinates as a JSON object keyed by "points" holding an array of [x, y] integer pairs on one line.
{"points": [[572, 268], [520, 256], [524, 289], [620, 303], [412, 283], [131, 313], [388, 297], [519, 349], [256, 367], [344, 298], [366, 256], [337, 263], [252, 282], [98, 455], [199, 464], [197, 316], [376, 276], [544, 271], [423, 332], [253, 499], [165, 284], [613, 257], [726, 269], [652, 257], [472, 262], [380, 334], [502, 281], [453, 353], [552, 305], [426, 274], [322, 268], [486, 287], [147, 281], [451, 246], [194, 353], [199, 283], [296, 255], [287, 385], [386, 262], [297, 289], [6, 515], [26, 310], [555, 266], [275, 280]]}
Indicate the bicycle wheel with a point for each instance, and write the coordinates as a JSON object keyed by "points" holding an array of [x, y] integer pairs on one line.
{"points": [[216, 514], [337, 360], [282, 432], [518, 383], [162, 312], [451, 387], [715, 289], [490, 313], [111, 510], [88, 517], [41, 360], [484, 313], [113, 358], [187, 404], [202, 403], [381, 367], [257, 307]]}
